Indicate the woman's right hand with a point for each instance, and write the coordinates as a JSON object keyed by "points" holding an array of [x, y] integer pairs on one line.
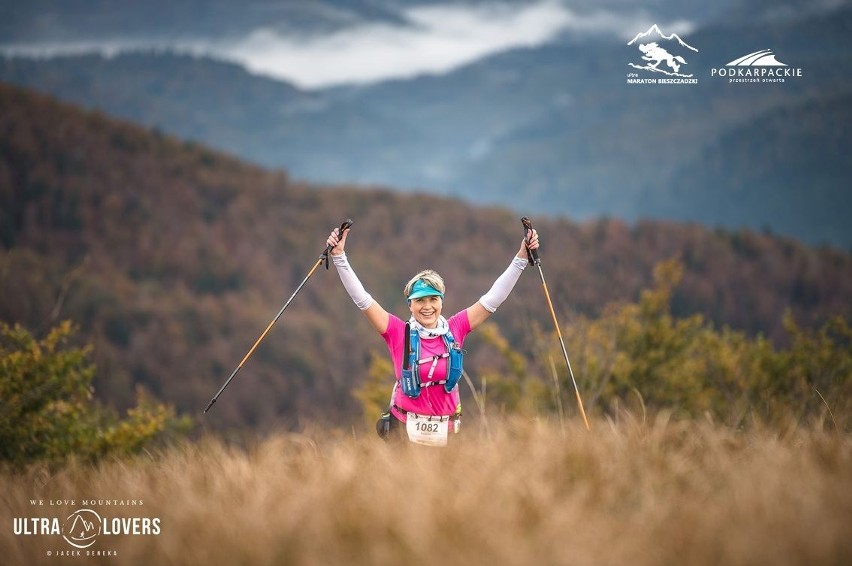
{"points": [[337, 244]]}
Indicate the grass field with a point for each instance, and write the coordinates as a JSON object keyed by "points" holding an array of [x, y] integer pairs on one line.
{"points": [[527, 493]]}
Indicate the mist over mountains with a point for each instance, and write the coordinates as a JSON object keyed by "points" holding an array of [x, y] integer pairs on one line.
{"points": [[548, 128]]}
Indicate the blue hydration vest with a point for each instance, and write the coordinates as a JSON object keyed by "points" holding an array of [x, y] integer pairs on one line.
{"points": [[410, 381]]}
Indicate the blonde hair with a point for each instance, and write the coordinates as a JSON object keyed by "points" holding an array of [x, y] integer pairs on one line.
{"points": [[430, 277]]}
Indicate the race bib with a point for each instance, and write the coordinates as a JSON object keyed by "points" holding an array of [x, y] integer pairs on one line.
{"points": [[431, 431]]}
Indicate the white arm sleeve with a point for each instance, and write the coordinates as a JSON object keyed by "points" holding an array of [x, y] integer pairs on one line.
{"points": [[503, 286], [360, 296]]}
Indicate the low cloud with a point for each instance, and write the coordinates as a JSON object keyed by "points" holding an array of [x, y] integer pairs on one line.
{"points": [[437, 39]]}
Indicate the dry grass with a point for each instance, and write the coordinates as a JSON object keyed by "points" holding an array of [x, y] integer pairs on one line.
{"points": [[665, 493]]}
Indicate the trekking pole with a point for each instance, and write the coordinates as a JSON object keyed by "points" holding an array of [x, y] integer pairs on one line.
{"points": [[322, 258], [535, 260]]}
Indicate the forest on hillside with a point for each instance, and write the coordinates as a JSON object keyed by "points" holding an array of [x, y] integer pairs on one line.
{"points": [[172, 258]]}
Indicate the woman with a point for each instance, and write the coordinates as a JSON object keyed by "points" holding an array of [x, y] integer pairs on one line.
{"points": [[429, 405]]}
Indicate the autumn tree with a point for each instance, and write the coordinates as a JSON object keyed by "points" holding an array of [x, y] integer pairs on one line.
{"points": [[47, 409]]}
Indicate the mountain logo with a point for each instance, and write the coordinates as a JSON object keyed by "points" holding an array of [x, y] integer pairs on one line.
{"points": [[81, 528], [662, 54], [758, 67]]}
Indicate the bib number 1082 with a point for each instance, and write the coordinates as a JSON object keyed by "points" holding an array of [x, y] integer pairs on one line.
{"points": [[423, 430], [426, 427]]}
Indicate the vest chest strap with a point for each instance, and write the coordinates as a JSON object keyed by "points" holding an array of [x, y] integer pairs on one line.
{"points": [[434, 360]]}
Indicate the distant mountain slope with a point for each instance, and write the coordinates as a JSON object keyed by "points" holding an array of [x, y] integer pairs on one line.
{"points": [[766, 171], [192, 97], [173, 258], [551, 129]]}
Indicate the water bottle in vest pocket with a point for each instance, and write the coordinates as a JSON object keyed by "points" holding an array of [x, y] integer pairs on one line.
{"points": [[411, 382]]}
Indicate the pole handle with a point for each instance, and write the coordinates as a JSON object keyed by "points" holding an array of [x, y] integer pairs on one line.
{"points": [[532, 255], [345, 226]]}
